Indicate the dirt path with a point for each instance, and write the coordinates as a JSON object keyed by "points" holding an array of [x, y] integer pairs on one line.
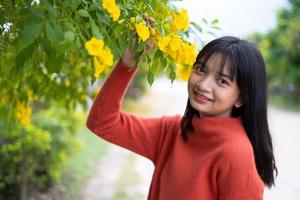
{"points": [[285, 127], [102, 185], [166, 99]]}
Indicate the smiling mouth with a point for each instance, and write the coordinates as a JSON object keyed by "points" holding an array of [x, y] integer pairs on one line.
{"points": [[201, 96]]}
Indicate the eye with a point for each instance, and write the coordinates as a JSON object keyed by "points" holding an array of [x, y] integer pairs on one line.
{"points": [[199, 68], [222, 81]]}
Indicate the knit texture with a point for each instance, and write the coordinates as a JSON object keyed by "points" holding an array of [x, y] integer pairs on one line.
{"points": [[217, 161]]}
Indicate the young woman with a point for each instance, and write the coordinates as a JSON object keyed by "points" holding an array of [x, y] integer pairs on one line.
{"points": [[221, 147]]}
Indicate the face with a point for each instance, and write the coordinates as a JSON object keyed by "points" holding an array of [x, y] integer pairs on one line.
{"points": [[210, 93]]}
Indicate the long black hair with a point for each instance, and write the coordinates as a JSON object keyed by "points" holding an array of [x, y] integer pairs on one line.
{"points": [[247, 66]]}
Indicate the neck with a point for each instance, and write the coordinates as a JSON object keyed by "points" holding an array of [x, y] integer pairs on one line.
{"points": [[215, 129]]}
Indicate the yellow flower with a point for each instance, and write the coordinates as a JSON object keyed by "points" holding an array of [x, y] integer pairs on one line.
{"points": [[23, 112], [180, 21], [188, 56], [31, 95], [142, 31], [115, 13], [172, 53], [107, 4], [170, 45], [163, 42], [183, 72], [111, 7], [106, 57], [153, 32], [102, 56], [94, 46], [175, 42], [99, 68]]}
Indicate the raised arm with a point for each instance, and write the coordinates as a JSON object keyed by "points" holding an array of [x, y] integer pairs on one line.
{"points": [[144, 136]]}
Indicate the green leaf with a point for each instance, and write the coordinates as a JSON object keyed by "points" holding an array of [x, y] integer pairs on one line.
{"points": [[215, 27], [95, 30], [78, 43], [150, 8], [2, 20], [93, 78], [54, 63], [103, 18], [53, 34], [83, 13], [69, 25], [205, 21], [172, 74], [121, 43], [196, 26], [148, 59], [74, 3], [165, 64], [150, 78], [29, 34], [158, 55], [23, 56], [211, 33], [69, 36], [51, 11], [37, 13], [47, 47], [215, 21]]}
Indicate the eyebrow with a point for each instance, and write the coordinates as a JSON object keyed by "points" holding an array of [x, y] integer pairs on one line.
{"points": [[220, 73], [224, 75]]}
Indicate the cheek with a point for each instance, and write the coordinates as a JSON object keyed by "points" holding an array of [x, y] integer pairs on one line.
{"points": [[228, 96], [190, 83]]}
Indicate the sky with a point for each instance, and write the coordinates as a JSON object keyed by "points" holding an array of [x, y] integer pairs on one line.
{"points": [[236, 17]]}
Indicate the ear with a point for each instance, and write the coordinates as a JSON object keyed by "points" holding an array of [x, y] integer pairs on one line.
{"points": [[239, 102]]}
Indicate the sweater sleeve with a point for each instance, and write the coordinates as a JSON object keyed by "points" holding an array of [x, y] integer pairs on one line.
{"points": [[238, 177], [144, 136]]}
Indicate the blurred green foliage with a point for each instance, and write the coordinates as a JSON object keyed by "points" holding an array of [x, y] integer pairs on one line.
{"points": [[32, 155], [281, 50]]}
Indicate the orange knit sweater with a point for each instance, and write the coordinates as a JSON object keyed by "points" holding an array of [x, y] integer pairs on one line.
{"points": [[217, 161]]}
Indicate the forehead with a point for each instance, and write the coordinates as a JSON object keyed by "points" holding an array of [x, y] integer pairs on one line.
{"points": [[218, 63]]}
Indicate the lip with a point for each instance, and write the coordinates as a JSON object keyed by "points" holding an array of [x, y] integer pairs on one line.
{"points": [[201, 98]]}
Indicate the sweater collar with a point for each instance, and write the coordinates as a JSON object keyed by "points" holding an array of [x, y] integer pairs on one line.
{"points": [[219, 128]]}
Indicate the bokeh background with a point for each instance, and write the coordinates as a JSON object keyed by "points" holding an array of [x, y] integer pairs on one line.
{"points": [[82, 166]]}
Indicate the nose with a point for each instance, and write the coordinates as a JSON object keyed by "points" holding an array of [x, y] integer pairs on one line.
{"points": [[205, 84]]}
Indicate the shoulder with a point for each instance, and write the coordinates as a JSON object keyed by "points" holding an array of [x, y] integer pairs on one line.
{"points": [[171, 121], [237, 152], [238, 175]]}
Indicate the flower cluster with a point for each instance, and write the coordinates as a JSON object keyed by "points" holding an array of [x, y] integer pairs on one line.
{"points": [[112, 9], [102, 55], [142, 31], [168, 40], [173, 45], [180, 21], [183, 72], [23, 112], [182, 52]]}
